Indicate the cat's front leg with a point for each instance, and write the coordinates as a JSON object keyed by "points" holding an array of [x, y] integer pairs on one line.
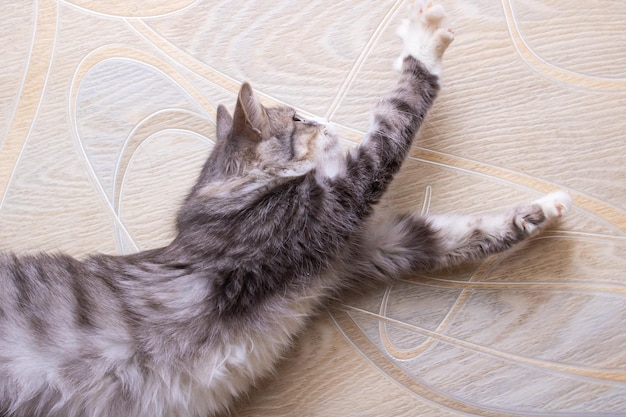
{"points": [[398, 116], [403, 244], [470, 238]]}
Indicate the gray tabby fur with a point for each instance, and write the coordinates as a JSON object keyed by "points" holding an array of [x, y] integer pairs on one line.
{"points": [[279, 221]]}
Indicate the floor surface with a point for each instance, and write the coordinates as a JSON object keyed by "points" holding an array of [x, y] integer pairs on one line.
{"points": [[107, 112]]}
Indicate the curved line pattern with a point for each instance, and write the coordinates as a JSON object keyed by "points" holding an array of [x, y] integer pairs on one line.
{"points": [[599, 374], [29, 56], [345, 323], [364, 345], [412, 353], [135, 144], [513, 286], [551, 71], [474, 283], [162, 120], [131, 9], [89, 62], [360, 61], [172, 119], [428, 194], [192, 64], [31, 93]]}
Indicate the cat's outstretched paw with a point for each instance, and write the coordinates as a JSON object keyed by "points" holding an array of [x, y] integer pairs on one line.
{"points": [[543, 211], [425, 36]]}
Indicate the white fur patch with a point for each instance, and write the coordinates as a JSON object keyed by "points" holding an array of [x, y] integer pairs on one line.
{"points": [[424, 37]]}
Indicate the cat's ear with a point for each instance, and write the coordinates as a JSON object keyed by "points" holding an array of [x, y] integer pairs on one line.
{"points": [[250, 119], [224, 123]]}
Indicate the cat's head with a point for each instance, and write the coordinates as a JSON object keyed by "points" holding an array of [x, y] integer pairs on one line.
{"points": [[276, 140]]}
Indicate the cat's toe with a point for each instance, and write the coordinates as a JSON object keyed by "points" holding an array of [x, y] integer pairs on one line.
{"points": [[444, 38], [434, 14], [426, 14]]}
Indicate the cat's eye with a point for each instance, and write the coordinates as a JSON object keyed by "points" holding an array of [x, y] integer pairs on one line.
{"points": [[297, 118]]}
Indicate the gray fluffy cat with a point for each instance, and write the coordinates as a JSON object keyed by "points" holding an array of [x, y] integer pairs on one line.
{"points": [[280, 220]]}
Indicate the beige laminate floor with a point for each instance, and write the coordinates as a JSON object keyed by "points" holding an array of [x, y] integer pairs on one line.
{"points": [[107, 112]]}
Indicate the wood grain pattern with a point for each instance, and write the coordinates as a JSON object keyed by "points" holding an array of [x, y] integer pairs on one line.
{"points": [[107, 113]]}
